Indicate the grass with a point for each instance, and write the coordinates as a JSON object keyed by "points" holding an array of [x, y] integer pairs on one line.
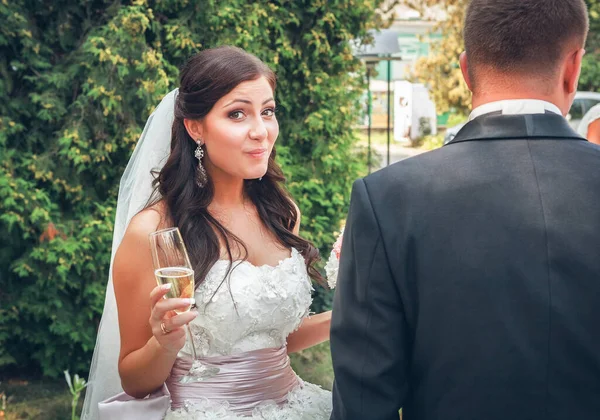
{"points": [[378, 137], [50, 399], [314, 365], [37, 399]]}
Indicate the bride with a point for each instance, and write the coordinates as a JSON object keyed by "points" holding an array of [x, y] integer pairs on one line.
{"points": [[212, 142]]}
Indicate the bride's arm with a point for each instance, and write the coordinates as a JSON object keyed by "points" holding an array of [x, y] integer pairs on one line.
{"points": [[314, 329], [144, 362]]}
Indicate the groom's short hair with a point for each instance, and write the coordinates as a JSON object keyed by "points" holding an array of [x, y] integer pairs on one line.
{"points": [[523, 36]]}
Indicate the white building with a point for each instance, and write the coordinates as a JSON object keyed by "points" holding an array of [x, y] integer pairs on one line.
{"points": [[414, 35]]}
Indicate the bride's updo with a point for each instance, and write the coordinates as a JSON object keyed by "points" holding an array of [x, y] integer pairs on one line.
{"points": [[206, 78]]}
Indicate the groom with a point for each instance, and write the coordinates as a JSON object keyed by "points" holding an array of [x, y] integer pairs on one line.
{"points": [[469, 285]]}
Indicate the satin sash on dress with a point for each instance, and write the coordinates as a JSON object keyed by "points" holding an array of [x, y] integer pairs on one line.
{"points": [[243, 382], [125, 407]]}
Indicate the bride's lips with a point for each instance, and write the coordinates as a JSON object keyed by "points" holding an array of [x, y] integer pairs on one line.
{"points": [[257, 153]]}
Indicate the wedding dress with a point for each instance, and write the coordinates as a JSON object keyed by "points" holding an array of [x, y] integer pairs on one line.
{"points": [[241, 327]]}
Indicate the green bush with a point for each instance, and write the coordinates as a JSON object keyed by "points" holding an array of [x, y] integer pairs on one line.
{"points": [[432, 142], [79, 79], [456, 118], [590, 71]]}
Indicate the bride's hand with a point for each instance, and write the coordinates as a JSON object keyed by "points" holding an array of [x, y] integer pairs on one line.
{"points": [[171, 335]]}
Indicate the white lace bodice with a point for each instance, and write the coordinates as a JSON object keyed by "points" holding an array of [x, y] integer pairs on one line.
{"points": [[256, 307]]}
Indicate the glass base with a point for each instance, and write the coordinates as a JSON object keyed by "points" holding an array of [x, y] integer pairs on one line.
{"points": [[199, 372]]}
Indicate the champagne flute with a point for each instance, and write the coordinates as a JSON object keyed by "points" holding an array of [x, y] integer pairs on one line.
{"points": [[172, 265]]}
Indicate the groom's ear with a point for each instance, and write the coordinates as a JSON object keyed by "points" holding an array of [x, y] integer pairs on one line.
{"points": [[572, 70], [464, 67], [194, 128]]}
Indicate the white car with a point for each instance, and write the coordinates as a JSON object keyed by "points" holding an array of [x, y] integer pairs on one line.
{"points": [[582, 103]]}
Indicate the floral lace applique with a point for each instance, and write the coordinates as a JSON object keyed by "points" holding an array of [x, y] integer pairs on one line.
{"points": [[308, 402], [255, 307]]}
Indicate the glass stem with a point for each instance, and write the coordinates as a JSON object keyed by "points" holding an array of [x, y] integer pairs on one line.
{"points": [[192, 342]]}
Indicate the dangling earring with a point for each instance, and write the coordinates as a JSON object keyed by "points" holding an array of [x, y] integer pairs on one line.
{"points": [[201, 177]]}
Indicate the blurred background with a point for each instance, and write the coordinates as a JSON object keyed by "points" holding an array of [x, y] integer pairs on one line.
{"points": [[361, 84]]}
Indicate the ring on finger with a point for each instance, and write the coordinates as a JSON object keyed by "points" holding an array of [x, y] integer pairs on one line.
{"points": [[164, 329]]}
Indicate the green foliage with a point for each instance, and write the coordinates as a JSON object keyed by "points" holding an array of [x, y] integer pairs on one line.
{"points": [[76, 386], [590, 72], [440, 70], [432, 142], [79, 79], [455, 119]]}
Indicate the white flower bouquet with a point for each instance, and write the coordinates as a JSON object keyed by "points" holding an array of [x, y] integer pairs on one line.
{"points": [[333, 263]]}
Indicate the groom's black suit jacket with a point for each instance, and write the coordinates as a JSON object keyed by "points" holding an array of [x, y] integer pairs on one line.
{"points": [[469, 285]]}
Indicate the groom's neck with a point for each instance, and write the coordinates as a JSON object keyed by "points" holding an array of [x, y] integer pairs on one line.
{"points": [[496, 88]]}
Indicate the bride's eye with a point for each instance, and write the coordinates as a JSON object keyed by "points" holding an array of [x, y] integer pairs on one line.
{"points": [[236, 115], [269, 112]]}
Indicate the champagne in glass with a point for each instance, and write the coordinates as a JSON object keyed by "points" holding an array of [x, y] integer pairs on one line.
{"points": [[182, 283], [172, 265]]}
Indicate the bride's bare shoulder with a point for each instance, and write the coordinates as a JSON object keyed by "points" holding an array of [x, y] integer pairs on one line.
{"points": [[148, 220], [133, 256], [141, 225]]}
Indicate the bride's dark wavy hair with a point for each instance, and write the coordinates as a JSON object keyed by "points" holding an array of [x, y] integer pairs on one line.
{"points": [[204, 79]]}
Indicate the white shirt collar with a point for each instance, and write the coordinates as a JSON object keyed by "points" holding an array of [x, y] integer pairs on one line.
{"points": [[515, 107]]}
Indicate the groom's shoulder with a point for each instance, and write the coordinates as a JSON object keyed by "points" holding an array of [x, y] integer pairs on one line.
{"points": [[409, 180], [410, 170]]}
